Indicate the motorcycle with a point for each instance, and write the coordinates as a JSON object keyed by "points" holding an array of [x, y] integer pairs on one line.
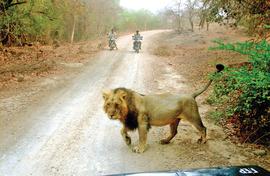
{"points": [[112, 44], [137, 43]]}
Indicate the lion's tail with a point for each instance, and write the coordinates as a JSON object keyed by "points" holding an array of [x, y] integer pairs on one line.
{"points": [[219, 67]]}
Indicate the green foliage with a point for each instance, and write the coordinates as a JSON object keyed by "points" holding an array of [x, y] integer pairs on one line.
{"points": [[67, 20], [247, 88], [27, 21], [215, 115], [267, 26], [141, 19], [253, 14]]}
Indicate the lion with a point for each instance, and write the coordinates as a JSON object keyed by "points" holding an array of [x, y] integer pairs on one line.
{"points": [[138, 111]]}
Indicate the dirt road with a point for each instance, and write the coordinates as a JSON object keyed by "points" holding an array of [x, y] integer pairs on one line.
{"points": [[66, 132]]}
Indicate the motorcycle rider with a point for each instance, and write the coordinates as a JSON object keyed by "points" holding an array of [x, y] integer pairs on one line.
{"points": [[112, 38], [137, 38]]}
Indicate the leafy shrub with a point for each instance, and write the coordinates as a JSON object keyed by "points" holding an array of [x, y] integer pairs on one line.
{"points": [[245, 91], [26, 21]]}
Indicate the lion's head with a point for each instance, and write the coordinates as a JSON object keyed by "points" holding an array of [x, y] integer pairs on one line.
{"points": [[115, 104]]}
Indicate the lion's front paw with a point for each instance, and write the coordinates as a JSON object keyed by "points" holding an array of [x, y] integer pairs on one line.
{"points": [[128, 140], [164, 141], [138, 149], [201, 141]]}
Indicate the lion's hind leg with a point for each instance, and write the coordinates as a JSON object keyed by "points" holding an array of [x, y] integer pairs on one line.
{"points": [[201, 128], [192, 115], [173, 127]]}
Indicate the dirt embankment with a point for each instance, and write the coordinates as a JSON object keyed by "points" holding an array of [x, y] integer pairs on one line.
{"points": [[189, 53], [23, 64], [30, 72]]}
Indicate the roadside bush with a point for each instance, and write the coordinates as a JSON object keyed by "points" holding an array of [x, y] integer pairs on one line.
{"points": [[23, 22], [244, 92]]}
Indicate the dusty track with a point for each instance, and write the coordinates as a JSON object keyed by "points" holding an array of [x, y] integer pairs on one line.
{"points": [[67, 133]]}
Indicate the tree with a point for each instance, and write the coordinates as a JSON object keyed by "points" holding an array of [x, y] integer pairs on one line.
{"points": [[141, 20], [177, 12], [7, 24], [191, 11], [45, 21], [6, 4], [253, 14]]}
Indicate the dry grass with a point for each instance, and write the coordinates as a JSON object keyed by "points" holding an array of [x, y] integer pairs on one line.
{"points": [[163, 51], [20, 63]]}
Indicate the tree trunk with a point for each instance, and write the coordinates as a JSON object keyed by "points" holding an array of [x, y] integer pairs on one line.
{"points": [[145, 28], [191, 24], [73, 29], [179, 24]]}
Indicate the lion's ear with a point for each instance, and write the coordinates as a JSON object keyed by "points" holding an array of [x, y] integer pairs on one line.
{"points": [[122, 95], [106, 94]]}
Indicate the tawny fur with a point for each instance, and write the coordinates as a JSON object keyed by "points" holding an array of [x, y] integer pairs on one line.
{"points": [[137, 111]]}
